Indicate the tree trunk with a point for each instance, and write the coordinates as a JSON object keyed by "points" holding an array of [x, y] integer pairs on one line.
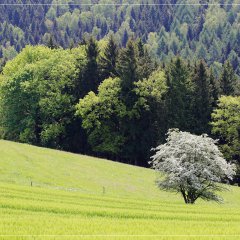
{"points": [[187, 197]]}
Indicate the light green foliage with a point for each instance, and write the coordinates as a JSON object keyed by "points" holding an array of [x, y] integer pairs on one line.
{"points": [[151, 89], [101, 115], [56, 77], [70, 201], [19, 94], [226, 123], [37, 94], [105, 115]]}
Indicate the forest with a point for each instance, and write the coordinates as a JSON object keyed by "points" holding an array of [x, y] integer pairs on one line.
{"points": [[170, 28], [115, 102]]}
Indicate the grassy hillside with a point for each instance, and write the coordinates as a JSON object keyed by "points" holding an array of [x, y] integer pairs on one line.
{"points": [[23, 164], [67, 199]]}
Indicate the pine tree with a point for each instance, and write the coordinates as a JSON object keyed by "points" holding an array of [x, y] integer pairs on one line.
{"points": [[127, 69], [215, 89], [51, 43], [202, 99], [145, 62], [178, 99], [125, 38], [127, 66], [91, 74], [109, 60], [228, 80], [140, 48]]}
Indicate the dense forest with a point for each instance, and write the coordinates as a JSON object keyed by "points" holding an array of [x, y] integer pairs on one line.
{"points": [[200, 31]]}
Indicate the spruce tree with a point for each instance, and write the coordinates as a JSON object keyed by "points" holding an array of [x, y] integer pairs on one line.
{"points": [[125, 38], [109, 60], [228, 80], [146, 64], [215, 88], [91, 73], [140, 48], [127, 69], [127, 66], [202, 99], [51, 43], [178, 99]]}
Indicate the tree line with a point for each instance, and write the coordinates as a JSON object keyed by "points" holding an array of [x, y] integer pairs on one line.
{"points": [[115, 102]]}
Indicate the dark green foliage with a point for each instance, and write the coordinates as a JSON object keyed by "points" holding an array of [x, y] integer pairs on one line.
{"points": [[91, 73], [202, 98], [51, 43], [215, 88], [127, 69], [179, 95], [229, 82], [108, 61], [146, 64]]}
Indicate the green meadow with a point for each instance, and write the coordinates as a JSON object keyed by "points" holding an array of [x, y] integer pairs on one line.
{"points": [[49, 194]]}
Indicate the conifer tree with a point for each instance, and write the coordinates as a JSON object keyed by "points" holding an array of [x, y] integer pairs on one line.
{"points": [[91, 74], [228, 80], [215, 89], [127, 66], [202, 106], [125, 38], [146, 64], [178, 99], [109, 60], [140, 48], [51, 43]]}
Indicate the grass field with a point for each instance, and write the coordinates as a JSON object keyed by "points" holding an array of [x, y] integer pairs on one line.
{"points": [[80, 197]]}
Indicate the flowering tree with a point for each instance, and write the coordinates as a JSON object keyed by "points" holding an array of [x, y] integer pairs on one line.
{"points": [[191, 165]]}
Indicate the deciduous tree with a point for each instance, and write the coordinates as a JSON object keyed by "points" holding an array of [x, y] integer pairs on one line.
{"points": [[192, 166]]}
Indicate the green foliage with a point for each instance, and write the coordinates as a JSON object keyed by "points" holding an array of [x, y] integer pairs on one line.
{"points": [[108, 61], [203, 98], [19, 95], [127, 66], [179, 95], [107, 118], [230, 84], [91, 73], [226, 123], [37, 96], [151, 89], [102, 114], [199, 31]]}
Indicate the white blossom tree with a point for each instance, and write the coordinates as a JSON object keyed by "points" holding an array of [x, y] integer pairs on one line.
{"points": [[192, 166]]}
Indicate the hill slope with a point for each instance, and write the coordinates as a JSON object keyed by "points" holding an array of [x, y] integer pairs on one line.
{"points": [[23, 164], [67, 200]]}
